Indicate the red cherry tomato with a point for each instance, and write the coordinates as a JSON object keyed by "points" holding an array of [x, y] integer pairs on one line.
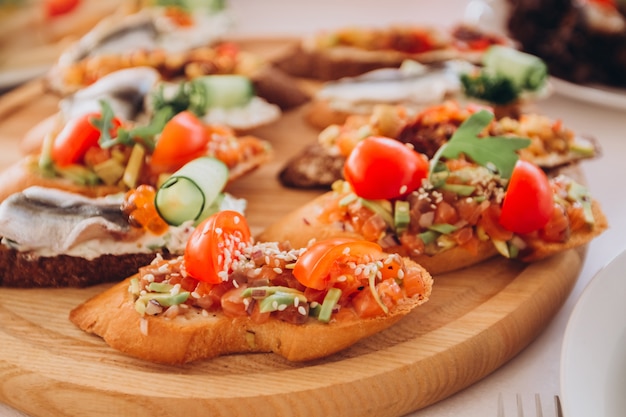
{"points": [[313, 267], [383, 168], [59, 7], [207, 248], [528, 201], [76, 137], [183, 139]]}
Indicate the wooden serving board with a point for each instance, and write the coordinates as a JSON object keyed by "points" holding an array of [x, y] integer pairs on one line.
{"points": [[477, 320]]}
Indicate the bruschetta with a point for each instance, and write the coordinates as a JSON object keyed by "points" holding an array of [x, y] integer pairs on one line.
{"points": [[352, 51], [474, 198], [228, 294], [78, 241], [552, 144]]}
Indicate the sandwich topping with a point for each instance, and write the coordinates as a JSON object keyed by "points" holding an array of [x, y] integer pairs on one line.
{"points": [[471, 190], [222, 270]]}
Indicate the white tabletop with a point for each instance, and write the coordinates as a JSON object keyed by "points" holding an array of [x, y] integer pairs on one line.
{"points": [[537, 368]]}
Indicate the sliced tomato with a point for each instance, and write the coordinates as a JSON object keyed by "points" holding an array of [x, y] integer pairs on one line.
{"points": [[183, 139], [313, 267], [232, 303], [383, 168], [54, 8], [212, 242], [528, 202], [76, 138], [366, 305]]}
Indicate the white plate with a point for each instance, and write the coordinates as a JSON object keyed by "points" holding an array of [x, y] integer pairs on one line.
{"points": [[594, 94], [593, 357]]}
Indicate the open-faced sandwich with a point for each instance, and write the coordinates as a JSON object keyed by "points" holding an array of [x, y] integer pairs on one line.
{"points": [[352, 51], [552, 144], [505, 79], [228, 294], [469, 200], [180, 40], [96, 152], [78, 241]]}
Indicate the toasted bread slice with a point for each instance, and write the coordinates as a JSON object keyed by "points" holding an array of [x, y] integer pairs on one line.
{"points": [[303, 225], [195, 333]]}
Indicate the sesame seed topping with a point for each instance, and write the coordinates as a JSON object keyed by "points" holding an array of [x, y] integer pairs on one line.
{"points": [[278, 270], [302, 310], [403, 189]]}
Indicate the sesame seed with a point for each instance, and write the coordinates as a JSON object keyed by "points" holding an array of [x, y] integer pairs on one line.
{"points": [[302, 310], [278, 270], [342, 278], [218, 230], [314, 304], [275, 305], [401, 273], [346, 250], [237, 220], [296, 301], [205, 313], [282, 307], [403, 189], [195, 295]]}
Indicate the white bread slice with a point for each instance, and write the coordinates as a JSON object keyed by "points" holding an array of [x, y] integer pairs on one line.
{"points": [[195, 336]]}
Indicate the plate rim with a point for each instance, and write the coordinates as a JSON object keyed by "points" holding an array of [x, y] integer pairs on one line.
{"points": [[603, 277]]}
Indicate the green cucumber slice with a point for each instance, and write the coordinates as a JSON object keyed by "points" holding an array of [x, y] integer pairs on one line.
{"points": [[524, 70], [190, 192], [226, 91]]}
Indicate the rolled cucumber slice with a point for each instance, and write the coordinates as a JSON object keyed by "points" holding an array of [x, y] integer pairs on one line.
{"points": [[190, 192], [526, 71], [225, 91]]}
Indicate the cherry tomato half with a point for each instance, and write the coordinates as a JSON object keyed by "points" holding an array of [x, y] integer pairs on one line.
{"points": [[313, 267], [54, 8], [528, 201], [383, 168], [211, 240], [183, 139], [76, 137]]}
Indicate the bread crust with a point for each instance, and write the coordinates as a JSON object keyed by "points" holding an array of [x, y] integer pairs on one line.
{"points": [[301, 226], [195, 336]]}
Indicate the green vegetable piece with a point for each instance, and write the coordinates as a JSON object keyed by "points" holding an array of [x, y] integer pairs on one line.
{"points": [[109, 171], [160, 287], [78, 174], [461, 189], [133, 168], [579, 193], [190, 193], [329, 303], [493, 88], [401, 215], [379, 209], [278, 301], [166, 299], [443, 228], [496, 151], [428, 236], [526, 71], [270, 289]]}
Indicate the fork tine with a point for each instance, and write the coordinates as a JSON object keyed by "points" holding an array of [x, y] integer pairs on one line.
{"points": [[557, 406], [500, 406], [538, 405], [520, 409]]}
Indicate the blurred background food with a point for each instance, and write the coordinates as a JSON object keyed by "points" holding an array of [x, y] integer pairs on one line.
{"points": [[582, 41]]}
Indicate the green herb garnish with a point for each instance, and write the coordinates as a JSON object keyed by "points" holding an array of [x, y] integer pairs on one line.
{"points": [[497, 152]]}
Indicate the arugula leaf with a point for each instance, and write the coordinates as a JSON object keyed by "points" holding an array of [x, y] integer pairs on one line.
{"points": [[498, 152]]}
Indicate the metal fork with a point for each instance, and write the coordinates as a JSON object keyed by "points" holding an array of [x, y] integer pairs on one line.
{"points": [[558, 412]]}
